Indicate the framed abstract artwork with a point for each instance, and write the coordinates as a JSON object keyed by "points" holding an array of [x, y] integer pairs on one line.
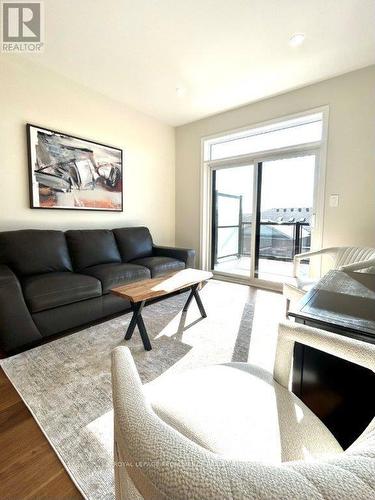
{"points": [[71, 173]]}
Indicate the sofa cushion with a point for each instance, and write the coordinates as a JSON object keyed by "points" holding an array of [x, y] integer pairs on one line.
{"points": [[45, 291], [133, 242], [33, 251], [91, 247], [160, 265], [239, 411], [112, 275]]}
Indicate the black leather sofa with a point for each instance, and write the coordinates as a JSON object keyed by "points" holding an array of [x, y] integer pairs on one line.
{"points": [[51, 281]]}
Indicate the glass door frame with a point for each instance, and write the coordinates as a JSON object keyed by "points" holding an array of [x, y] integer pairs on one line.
{"points": [[216, 226], [315, 230], [257, 161], [214, 232]]}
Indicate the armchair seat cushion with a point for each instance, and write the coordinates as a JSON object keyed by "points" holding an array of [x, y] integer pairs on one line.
{"points": [[160, 265], [112, 275], [48, 290], [239, 411]]}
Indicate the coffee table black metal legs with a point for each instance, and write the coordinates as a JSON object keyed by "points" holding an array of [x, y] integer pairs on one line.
{"points": [[137, 319], [194, 293]]}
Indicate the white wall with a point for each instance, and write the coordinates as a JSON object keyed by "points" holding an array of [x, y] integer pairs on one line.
{"points": [[30, 93], [350, 159]]}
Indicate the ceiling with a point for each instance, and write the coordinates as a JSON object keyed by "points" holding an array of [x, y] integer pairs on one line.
{"points": [[221, 53]]}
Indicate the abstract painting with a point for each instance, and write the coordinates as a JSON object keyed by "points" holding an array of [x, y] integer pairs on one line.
{"points": [[68, 172]]}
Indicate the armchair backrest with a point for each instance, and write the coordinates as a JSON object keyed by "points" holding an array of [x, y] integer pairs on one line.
{"points": [[161, 463], [348, 258], [352, 350], [351, 255], [359, 458]]}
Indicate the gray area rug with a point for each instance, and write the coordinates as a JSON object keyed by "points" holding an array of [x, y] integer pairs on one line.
{"points": [[66, 383]]}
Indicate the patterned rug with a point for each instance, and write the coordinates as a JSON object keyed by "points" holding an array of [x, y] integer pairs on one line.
{"points": [[66, 383]]}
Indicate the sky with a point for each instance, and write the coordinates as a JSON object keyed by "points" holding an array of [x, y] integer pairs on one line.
{"points": [[286, 183]]}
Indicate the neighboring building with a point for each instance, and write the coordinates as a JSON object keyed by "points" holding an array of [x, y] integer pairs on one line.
{"points": [[277, 238], [294, 214]]}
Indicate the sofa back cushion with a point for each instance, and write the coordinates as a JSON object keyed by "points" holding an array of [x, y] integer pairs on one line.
{"points": [[91, 247], [33, 251], [133, 242]]}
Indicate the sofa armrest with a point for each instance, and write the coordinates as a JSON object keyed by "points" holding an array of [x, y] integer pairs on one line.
{"points": [[16, 325], [187, 255]]}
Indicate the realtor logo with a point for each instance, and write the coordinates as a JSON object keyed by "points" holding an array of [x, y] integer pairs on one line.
{"points": [[22, 26]]}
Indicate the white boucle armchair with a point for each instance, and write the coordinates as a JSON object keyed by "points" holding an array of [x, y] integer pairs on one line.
{"points": [[342, 258], [168, 447]]}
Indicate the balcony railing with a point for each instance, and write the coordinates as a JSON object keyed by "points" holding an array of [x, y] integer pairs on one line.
{"points": [[277, 241]]}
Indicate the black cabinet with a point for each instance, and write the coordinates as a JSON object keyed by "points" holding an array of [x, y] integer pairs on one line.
{"points": [[340, 393]]}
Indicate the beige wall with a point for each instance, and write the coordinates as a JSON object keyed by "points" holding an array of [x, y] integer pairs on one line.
{"points": [[350, 158], [31, 94]]}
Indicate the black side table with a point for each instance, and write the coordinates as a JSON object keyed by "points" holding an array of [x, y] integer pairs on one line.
{"points": [[340, 393]]}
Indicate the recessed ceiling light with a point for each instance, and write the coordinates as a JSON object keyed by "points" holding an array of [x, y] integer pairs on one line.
{"points": [[180, 91], [297, 39]]}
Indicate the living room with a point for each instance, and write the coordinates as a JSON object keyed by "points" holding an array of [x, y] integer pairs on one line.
{"points": [[187, 249]]}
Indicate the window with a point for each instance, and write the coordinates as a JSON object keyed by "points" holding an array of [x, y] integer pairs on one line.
{"points": [[293, 132], [284, 163]]}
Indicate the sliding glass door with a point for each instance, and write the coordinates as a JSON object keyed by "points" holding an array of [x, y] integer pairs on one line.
{"points": [[262, 215], [285, 215], [232, 201]]}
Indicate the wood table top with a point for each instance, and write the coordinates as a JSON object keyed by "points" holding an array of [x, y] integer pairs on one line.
{"points": [[163, 285]]}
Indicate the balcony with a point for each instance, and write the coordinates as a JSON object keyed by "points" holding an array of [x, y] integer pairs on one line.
{"points": [[278, 243]]}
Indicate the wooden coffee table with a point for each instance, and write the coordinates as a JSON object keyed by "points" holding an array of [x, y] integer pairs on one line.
{"points": [[140, 292]]}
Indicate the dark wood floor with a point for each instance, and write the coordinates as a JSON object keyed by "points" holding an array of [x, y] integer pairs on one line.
{"points": [[29, 468]]}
